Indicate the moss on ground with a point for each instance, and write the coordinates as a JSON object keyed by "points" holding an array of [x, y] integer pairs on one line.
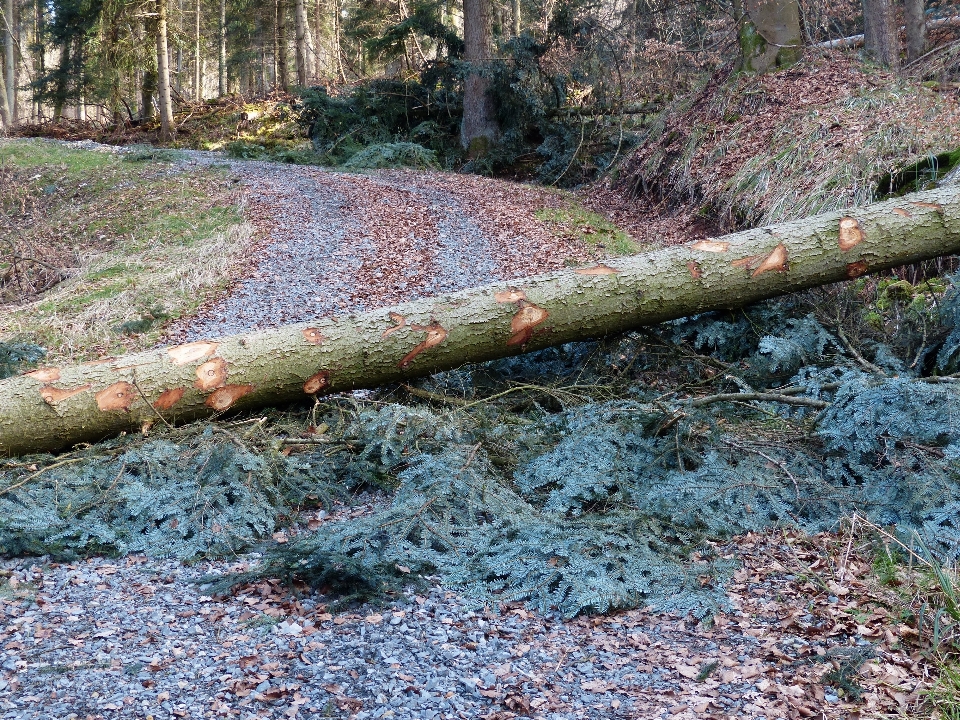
{"points": [[135, 244], [589, 227]]}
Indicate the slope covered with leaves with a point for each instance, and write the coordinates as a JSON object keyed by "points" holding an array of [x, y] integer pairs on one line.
{"points": [[825, 134]]}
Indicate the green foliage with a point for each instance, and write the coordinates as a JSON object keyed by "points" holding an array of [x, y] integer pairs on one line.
{"points": [[591, 228], [544, 107], [392, 155], [15, 357]]}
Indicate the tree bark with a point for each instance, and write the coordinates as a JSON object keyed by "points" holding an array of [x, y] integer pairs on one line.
{"points": [[197, 76], [304, 44], [479, 129], [222, 72], [53, 408], [769, 34], [516, 17], [10, 61], [880, 33], [163, 72], [283, 72], [913, 13], [4, 108]]}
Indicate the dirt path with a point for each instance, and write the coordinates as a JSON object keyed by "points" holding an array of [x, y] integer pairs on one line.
{"points": [[330, 243]]}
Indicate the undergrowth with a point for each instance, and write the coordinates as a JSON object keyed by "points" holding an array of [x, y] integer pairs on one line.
{"points": [[582, 478], [98, 250], [823, 135]]}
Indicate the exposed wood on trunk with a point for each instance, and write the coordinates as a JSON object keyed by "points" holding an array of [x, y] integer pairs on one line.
{"points": [[53, 408]]}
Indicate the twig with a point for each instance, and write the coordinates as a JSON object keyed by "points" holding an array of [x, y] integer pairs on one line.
{"points": [[473, 451], [796, 484], [438, 397], [27, 479], [769, 397], [149, 404], [857, 356], [846, 553]]}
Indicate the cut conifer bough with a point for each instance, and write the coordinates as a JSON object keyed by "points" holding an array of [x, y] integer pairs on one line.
{"points": [[52, 408]]}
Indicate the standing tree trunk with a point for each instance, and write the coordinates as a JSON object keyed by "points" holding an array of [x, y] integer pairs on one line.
{"points": [[916, 22], [52, 407], [769, 34], [283, 68], [197, 76], [880, 33], [479, 129], [222, 78], [10, 61], [318, 15], [4, 108], [163, 71], [516, 18], [304, 44]]}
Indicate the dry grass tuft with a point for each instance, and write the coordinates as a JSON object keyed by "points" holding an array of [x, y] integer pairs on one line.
{"points": [[134, 244], [816, 137]]}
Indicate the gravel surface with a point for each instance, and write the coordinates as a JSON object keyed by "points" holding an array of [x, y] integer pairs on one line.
{"points": [[138, 638], [332, 242]]}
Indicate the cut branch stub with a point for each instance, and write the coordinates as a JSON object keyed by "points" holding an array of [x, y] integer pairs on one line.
{"points": [[191, 352], [117, 397], [510, 295], [856, 269], [223, 398], [524, 321], [694, 269], [929, 205], [711, 246], [169, 398], [851, 234], [316, 383], [312, 335], [52, 395], [600, 269], [399, 321], [776, 261], [212, 374], [45, 375], [435, 335]]}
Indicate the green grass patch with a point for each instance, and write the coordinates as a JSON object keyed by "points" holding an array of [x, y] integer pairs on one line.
{"points": [[137, 243], [589, 227], [49, 155]]}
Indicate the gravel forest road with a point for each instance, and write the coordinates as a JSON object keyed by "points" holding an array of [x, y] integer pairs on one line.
{"points": [[330, 243]]}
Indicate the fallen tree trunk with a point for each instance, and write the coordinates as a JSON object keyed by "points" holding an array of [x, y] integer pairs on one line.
{"points": [[857, 40], [53, 408]]}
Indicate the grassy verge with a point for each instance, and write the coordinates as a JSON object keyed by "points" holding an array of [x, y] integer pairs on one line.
{"points": [[105, 249], [594, 230]]}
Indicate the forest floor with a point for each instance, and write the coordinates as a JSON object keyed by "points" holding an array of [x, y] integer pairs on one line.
{"points": [[809, 632]]}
